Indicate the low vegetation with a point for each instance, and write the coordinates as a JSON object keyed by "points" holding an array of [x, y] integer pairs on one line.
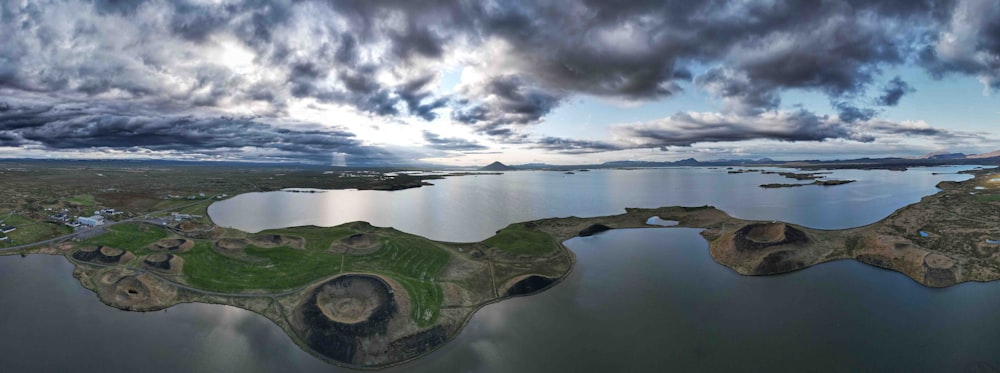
{"points": [[277, 268], [987, 197], [82, 199], [416, 263], [518, 239], [132, 237], [317, 238], [30, 231]]}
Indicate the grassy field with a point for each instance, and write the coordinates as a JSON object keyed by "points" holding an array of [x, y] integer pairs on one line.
{"points": [[987, 197], [269, 269], [317, 238], [82, 199], [15, 220], [198, 209], [133, 237], [518, 239], [29, 231], [415, 263]]}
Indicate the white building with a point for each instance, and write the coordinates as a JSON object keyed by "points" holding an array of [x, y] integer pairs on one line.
{"points": [[92, 221]]}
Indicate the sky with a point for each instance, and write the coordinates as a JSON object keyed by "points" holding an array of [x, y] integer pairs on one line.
{"points": [[463, 83]]}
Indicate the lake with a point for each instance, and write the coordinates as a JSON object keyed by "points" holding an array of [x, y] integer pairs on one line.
{"points": [[472, 208], [638, 300]]}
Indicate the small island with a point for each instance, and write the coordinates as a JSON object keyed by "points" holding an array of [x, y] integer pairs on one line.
{"points": [[368, 297], [817, 182]]}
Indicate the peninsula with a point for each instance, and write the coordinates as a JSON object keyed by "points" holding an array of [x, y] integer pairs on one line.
{"points": [[368, 297]]}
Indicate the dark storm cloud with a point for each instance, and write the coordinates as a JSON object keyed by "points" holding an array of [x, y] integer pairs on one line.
{"points": [[685, 129], [385, 58], [738, 92], [850, 113], [893, 92], [451, 143], [505, 100], [571, 146], [968, 43], [78, 126]]}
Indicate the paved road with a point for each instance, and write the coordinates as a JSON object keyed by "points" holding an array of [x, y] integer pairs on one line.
{"points": [[80, 232]]}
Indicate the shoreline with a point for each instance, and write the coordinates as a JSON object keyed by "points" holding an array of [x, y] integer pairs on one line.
{"points": [[769, 253]]}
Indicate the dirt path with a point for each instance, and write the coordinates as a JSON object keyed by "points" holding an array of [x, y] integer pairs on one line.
{"points": [[493, 278]]}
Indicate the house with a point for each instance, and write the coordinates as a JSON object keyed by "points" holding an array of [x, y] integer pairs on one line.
{"points": [[4, 238], [8, 229], [92, 221], [59, 216]]}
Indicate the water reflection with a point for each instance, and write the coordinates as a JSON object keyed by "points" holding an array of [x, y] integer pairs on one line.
{"points": [[639, 300], [471, 208]]}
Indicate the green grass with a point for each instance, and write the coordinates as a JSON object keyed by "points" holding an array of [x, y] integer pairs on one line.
{"points": [[987, 197], [82, 200], [133, 237], [198, 209], [16, 220], [317, 238], [416, 263], [29, 231], [266, 269], [518, 239]]}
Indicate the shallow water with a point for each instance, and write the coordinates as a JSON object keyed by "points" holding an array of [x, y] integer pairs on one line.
{"points": [[638, 300]]}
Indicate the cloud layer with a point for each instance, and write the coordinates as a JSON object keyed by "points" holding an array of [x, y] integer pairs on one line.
{"points": [[159, 74]]}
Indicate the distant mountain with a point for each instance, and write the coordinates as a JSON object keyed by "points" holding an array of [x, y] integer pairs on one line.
{"points": [[993, 154], [496, 166], [532, 166], [690, 162], [943, 155]]}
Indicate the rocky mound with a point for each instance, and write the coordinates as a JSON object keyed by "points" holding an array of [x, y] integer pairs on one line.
{"points": [[358, 243], [593, 229], [530, 284], [199, 230], [232, 247], [344, 312], [276, 240], [103, 255], [877, 260], [939, 271], [758, 236], [129, 290], [360, 240], [766, 233], [231, 244], [192, 226], [163, 262], [778, 262], [174, 245]]}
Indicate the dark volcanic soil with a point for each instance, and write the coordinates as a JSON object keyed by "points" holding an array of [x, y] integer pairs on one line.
{"points": [[530, 284], [341, 341], [594, 229], [101, 254]]}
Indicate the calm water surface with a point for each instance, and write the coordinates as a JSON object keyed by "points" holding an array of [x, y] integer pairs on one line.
{"points": [[638, 300], [471, 208]]}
